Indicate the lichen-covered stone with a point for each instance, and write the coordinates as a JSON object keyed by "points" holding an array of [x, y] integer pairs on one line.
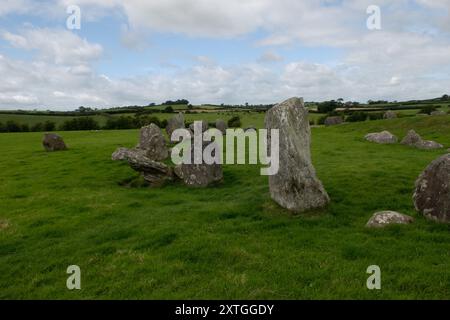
{"points": [[384, 137], [432, 194], [295, 186], [385, 218]]}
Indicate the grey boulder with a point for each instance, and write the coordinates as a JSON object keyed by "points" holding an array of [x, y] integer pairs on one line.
{"points": [[53, 142], [295, 186], [333, 121], [432, 193], [174, 123], [385, 218], [389, 115], [384, 137], [153, 142], [414, 140], [199, 175]]}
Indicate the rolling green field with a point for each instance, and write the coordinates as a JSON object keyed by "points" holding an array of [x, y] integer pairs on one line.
{"points": [[227, 242]]}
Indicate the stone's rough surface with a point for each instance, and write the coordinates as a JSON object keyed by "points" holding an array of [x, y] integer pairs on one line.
{"points": [[121, 154], [199, 175], [153, 141], [154, 172], [432, 194], [205, 126], [332, 121], [385, 218], [222, 126], [176, 122], [384, 137], [390, 115], [414, 140], [438, 113], [53, 142], [295, 186]]}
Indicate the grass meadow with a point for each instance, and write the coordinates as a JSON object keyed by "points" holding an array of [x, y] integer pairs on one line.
{"points": [[227, 242]]}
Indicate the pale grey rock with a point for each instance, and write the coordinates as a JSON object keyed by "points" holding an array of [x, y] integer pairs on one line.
{"points": [[121, 154], [432, 193], [385, 218], [176, 122], [384, 137], [438, 113], [295, 186], [199, 175], [390, 115], [154, 172], [333, 121], [53, 142], [153, 141], [414, 140]]}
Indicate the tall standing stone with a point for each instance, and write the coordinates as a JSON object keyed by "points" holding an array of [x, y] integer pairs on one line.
{"points": [[432, 194], [153, 141], [176, 122], [295, 186]]}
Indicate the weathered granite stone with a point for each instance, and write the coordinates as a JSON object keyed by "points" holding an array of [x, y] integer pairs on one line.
{"points": [[199, 175], [121, 154], [390, 115], [384, 137], [415, 140], [432, 194], [154, 172], [295, 186], [385, 218], [176, 122], [438, 113], [333, 121], [153, 141], [53, 142]]}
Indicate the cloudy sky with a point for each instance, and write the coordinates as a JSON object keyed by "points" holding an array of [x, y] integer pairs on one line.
{"points": [[131, 52]]}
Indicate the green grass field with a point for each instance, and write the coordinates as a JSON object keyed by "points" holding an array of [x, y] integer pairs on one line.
{"points": [[227, 242]]}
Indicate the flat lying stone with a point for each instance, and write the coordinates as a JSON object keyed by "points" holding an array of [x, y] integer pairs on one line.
{"points": [[385, 218], [384, 137]]}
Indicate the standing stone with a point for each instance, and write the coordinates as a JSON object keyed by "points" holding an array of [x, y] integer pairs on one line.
{"points": [[295, 186], [222, 126], [153, 141], [205, 126], [385, 218], [415, 140], [199, 175], [390, 115], [333, 121], [432, 194], [176, 122], [384, 137], [53, 142]]}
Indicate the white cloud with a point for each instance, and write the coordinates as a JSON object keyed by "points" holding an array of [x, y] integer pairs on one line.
{"points": [[409, 58]]}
